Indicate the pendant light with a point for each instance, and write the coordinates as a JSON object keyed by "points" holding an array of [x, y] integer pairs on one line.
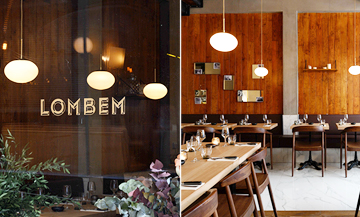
{"points": [[261, 71], [355, 69], [155, 90], [21, 71], [223, 41], [101, 79]]}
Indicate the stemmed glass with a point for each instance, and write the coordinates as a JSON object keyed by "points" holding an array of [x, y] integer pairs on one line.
{"points": [[91, 188], [67, 191], [195, 145], [114, 186], [222, 118], [225, 133], [346, 117], [264, 118], [305, 118], [201, 134], [204, 118], [246, 118], [319, 118]]}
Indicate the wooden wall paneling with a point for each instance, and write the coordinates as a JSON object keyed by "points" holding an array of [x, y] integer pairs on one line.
{"points": [[268, 58], [238, 62], [277, 62], [301, 62], [343, 63], [320, 64], [356, 79], [332, 55], [350, 52], [327, 59]]}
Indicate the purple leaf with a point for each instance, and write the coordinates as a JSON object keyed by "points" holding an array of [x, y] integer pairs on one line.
{"points": [[164, 174], [157, 166], [161, 184], [162, 195], [155, 176]]}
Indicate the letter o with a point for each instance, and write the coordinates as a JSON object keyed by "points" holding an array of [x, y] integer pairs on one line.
{"points": [[58, 102]]}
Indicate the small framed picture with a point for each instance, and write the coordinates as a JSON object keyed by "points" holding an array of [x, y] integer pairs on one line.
{"points": [[198, 71], [216, 65], [198, 100], [228, 77]]}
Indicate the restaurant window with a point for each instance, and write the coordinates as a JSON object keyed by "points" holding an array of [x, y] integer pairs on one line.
{"points": [[103, 135]]}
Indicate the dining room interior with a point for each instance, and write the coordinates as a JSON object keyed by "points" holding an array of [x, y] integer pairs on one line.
{"points": [[89, 104], [307, 101]]}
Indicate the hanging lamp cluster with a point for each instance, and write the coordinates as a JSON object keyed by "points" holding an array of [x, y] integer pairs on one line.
{"points": [[355, 69], [21, 71], [261, 71], [223, 41]]}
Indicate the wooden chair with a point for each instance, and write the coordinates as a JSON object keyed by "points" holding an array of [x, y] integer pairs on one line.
{"points": [[257, 130], [309, 145], [205, 206], [349, 145], [259, 181], [193, 129], [238, 205]]}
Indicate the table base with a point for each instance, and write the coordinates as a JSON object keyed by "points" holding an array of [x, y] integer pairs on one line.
{"points": [[353, 163], [310, 162]]}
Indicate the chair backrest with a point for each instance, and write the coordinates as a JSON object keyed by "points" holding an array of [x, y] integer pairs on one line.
{"points": [[205, 206], [258, 130], [258, 155], [240, 174], [308, 129], [351, 129]]}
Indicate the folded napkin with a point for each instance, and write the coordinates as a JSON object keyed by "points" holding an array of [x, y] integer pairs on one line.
{"points": [[191, 187], [222, 159]]}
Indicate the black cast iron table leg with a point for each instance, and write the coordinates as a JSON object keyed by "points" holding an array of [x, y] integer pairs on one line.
{"points": [[354, 162]]}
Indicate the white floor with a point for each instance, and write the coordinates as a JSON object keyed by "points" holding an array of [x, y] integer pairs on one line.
{"points": [[307, 190]]}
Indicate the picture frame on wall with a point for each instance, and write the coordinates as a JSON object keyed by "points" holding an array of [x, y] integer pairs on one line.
{"points": [[198, 71]]}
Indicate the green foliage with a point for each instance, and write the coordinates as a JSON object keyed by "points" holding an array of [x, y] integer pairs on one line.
{"points": [[19, 182]]}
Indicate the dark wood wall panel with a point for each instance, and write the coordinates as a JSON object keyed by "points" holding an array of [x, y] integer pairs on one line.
{"points": [[324, 38], [196, 32]]}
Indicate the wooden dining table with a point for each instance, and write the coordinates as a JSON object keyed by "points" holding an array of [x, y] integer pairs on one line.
{"points": [[341, 127], [261, 125], [217, 126], [326, 125], [211, 172], [71, 212]]}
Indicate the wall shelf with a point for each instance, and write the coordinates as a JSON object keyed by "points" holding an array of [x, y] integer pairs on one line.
{"points": [[320, 70]]}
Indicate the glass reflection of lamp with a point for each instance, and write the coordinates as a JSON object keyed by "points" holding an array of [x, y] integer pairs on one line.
{"points": [[355, 69], [21, 71], [155, 90], [79, 45], [101, 79], [223, 41]]}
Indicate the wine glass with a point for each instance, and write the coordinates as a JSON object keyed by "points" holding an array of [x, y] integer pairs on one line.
{"points": [[67, 191], [40, 191], [204, 118], [225, 133], [306, 117], [114, 185], [346, 117], [246, 118], [319, 118], [195, 144], [91, 188], [264, 118], [201, 134], [222, 118]]}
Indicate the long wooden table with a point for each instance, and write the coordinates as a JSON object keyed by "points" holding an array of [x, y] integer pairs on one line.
{"points": [[326, 126], [211, 172], [262, 125], [342, 127], [218, 126], [77, 213]]}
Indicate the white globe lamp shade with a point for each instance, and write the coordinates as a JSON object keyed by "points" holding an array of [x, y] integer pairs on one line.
{"points": [[21, 71], [100, 80], [261, 71], [354, 70], [155, 91], [223, 41], [79, 45]]}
